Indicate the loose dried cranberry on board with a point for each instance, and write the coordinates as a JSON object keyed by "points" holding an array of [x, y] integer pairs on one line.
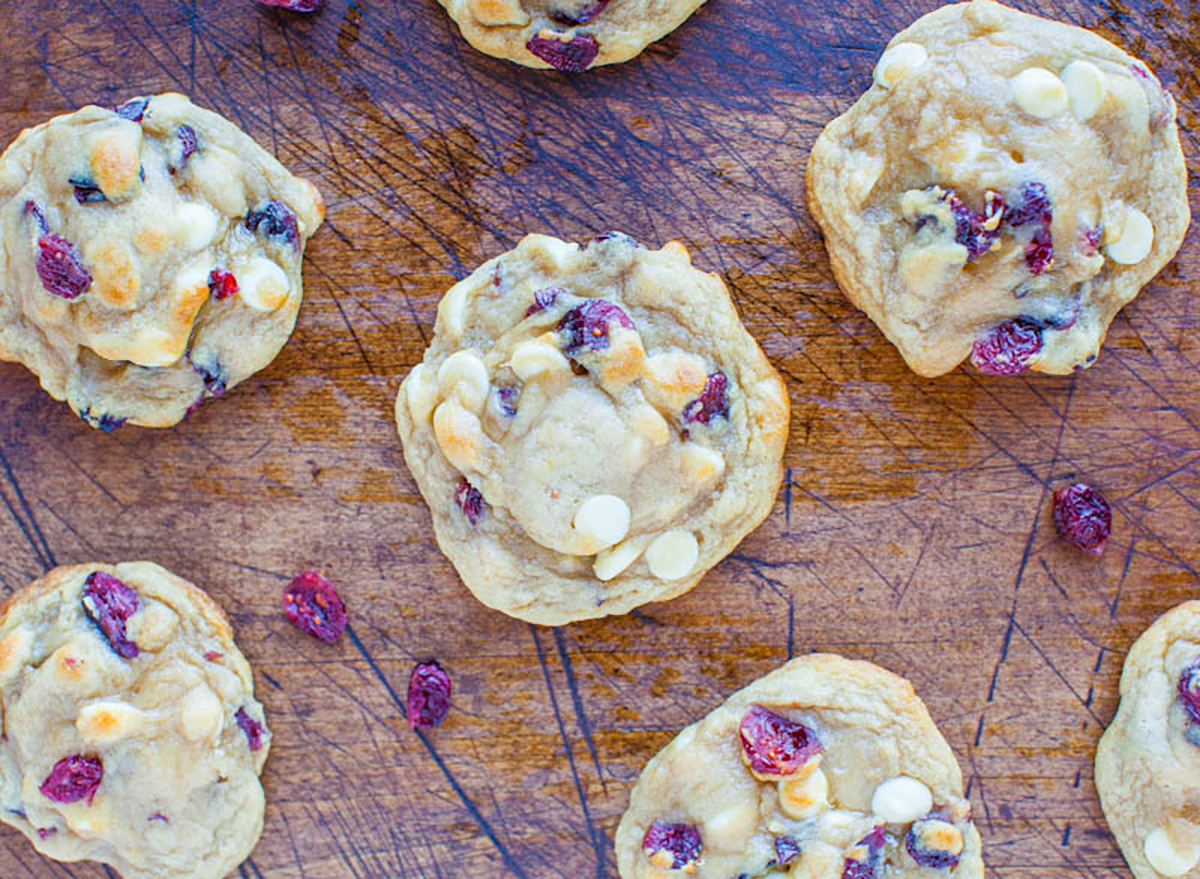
{"points": [[314, 606], [568, 56], [1082, 517], [73, 779], [294, 5], [60, 267], [1007, 349], [773, 745], [251, 727], [221, 283], [470, 501], [672, 846], [587, 325], [428, 695], [712, 402], [110, 603], [934, 843]]}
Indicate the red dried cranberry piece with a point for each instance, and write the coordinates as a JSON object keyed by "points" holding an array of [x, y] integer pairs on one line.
{"points": [[712, 402], [1032, 207], [251, 727], [974, 231], [1039, 252], [588, 324], [221, 283], [672, 846], [188, 147], [106, 422], [544, 299], [86, 192], [216, 382], [313, 605], [508, 397], [294, 5], [159, 818], [33, 210], [926, 841], [786, 850], [1082, 517], [213, 655], [1007, 348], [133, 110], [73, 779], [569, 56], [470, 501], [1189, 690], [60, 267], [1089, 240], [774, 745], [45, 832], [110, 603], [428, 695], [583, 16], [275, 220], [865, 858]]}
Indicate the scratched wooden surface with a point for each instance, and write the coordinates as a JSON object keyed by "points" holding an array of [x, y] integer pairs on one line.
{"points": [[914, 530]]}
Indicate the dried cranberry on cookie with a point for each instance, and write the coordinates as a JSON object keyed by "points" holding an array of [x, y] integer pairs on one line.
{"points": [[151, 258], [825, 768], [1002, 190], [592, 427]]}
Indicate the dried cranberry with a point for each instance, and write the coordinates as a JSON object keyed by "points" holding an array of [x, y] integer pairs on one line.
{"points": [[583, 16], [60, 267], [216, 382], [974, 231], [1033, 206], [470, 501], [45, 832], [508, 396], [712, 402], [934, 843], [222, 284], [1007, 349], [428, 695], [275, 220], [33, 210], [672, 846], [110, 603], [294, 5], [251, 727], [1089, 240], [188, 146], [1039, 252], [1189, 690], [133, 110], [544, 299], [159, 818], [865, 857], [73, 779], [786, 850], [569, 56], [773, 745], [1082, 517], [313, 605], [588, 324], [106, 422], [86, 192], [213, 655]]}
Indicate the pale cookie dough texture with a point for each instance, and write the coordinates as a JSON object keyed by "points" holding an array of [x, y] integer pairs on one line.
{"points": [[1148, 761], [151, 258], [1006, 185], [827, 768], [131, 734], [568, 35], [592, 427]]}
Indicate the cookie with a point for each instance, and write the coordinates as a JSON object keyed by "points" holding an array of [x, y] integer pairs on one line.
{"points": [[1148, 761], [131, 734], [1005, 186], [567, 35], [592, 427], [151, 258], [827, 767]]}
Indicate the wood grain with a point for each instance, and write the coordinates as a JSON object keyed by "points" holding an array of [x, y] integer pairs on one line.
{"points": [[913, 531]]}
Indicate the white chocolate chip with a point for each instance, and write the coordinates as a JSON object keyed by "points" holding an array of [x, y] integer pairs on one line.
{"points": [[152, 626], [15, 648], [263, 286], [1136, 241], [197, 224], [200, 714], [103, 723], [611, 562], [730, 829], [801, 798], [1164, 857], [603, 519], [452, 310], [896, 62], [701, 466], [1085, 88], [463, 373], [673, 555], [459, 434], [1040, 93], [421, 394], [536, 357], [901, 800]]}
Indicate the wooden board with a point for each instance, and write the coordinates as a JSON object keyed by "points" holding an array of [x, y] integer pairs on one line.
{"points": [[913, 531]]}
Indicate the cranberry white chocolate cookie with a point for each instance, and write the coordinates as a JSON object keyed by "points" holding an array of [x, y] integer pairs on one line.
{"points": [[825, 768], [151, 258], [567, 35], [1006, 185], [592, 427], [131, 734], [1148, 761]]}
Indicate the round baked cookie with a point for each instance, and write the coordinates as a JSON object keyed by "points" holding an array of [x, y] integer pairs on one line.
{"points": [[568, 35], [1004, 187], [592, 427], [1148, 761], [131, 734], [825, 768], [151, 258]]}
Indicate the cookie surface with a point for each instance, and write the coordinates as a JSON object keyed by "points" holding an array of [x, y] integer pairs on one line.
{"points": [[1006, 185], [151, 258], [592, 427], [131, 731], [826, 767], [569, 35], [1148, 760]]}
